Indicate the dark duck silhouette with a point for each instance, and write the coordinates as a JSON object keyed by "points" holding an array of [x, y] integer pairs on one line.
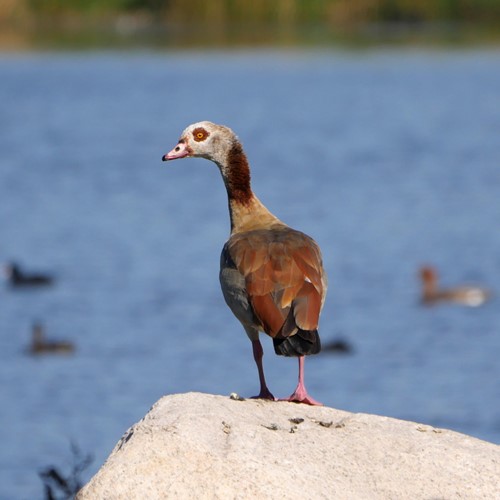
{"points": [[40, 345], [17, 277], [338, 346]]}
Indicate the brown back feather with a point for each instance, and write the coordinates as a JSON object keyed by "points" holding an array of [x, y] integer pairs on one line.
{"points": [[283, 271]]}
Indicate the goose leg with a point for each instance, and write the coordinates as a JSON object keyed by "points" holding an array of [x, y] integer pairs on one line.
{"points": [[300, 394], [258, 354]]}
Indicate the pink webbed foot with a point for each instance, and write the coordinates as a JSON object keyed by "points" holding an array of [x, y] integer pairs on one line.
{"points": [[300, 394], [302, 397]]}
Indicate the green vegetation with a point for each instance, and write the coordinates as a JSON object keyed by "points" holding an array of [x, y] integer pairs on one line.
{"points": [[229, 22], [343, 11], [96, 6]]}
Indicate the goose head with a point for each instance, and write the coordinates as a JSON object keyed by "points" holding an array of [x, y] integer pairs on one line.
{"points": [[204, 140]]}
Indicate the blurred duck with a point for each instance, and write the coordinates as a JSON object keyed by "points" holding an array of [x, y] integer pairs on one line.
{"points": [[40, 345], [466, 295], [338, 346], [17, 277]]}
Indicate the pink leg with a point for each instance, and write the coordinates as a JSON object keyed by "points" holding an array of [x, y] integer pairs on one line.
{"points": [[258, 354], [300, 394]]}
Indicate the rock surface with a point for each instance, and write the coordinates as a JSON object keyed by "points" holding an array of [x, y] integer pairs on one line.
{"points": [[209, 447]]}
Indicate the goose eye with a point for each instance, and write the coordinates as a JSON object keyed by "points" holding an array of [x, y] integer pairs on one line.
{"points": [[200, 134]]}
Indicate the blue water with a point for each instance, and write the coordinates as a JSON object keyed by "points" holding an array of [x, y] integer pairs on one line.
{"points": [[389, 159]]}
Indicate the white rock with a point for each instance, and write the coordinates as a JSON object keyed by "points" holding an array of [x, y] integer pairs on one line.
{"points": [[200, 446]]}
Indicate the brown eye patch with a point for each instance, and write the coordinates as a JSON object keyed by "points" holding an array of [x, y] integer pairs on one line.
{"points": [[200, 134]]}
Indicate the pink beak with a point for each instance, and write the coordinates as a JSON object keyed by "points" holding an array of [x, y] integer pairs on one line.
{"points": [[180, 151]]}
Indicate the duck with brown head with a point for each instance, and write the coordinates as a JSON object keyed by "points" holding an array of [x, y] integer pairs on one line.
{"points": [[466, 295], [271, 275]]}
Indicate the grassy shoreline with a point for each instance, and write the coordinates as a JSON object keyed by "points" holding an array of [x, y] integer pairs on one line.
{"points": [[90, 24], [127, 33]]}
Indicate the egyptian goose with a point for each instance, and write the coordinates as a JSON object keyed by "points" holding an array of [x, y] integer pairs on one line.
{"points": [[40, 345], [271, 275], [17, 277], [465, 295]]}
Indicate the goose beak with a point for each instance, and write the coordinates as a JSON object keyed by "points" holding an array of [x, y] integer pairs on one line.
{"points": [[180, 151]]}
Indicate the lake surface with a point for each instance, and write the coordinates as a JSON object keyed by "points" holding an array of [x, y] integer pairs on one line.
{"points": [[389, 159]]}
